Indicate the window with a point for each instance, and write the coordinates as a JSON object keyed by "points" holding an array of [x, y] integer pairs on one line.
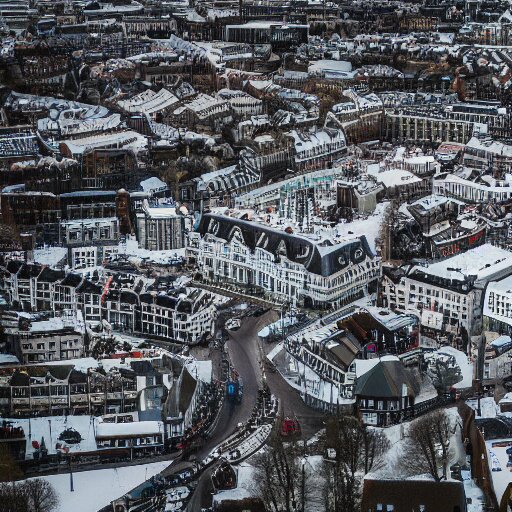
{"points": [[20, 392], [59, 390]]}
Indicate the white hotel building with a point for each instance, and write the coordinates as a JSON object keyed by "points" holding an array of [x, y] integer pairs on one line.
{"points": [[447, 295], [498, 306], [282, 265]]}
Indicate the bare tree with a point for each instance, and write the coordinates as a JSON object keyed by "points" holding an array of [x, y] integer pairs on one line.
{"points": [[29, 496], [40, 495], [12, 498], [281, 476], [358, 450], [375, 444], [428, 449]]}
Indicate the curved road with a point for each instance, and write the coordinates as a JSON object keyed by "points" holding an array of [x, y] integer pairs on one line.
{"points": [[246, 352]]}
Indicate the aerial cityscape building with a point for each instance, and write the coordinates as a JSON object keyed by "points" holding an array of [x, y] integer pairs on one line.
{"points": [[255, 255]]}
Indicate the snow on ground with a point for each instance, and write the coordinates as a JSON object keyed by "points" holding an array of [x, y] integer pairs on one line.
{"points": [[427, 391], [498, 458], [315, 482], [277, 326], [395, 435], [462, 361], [50, 256], [474, 492], [245, 485], [51, 427], [465, 365], [488, 407], [398, 440], [94, 490], [131, 249]]}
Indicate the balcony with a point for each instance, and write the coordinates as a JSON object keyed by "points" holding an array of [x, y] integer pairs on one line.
{"points": [[78, 399], [21, 401]]}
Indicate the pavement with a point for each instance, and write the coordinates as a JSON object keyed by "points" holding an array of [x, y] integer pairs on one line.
{"points": [[247, 352], [202, 496]]}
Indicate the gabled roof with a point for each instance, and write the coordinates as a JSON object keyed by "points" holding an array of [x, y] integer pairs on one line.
{"points": [[406, 495], [71, 280], [49, 275], [28, 271], [89, 287], [342, 349], [13, 266], [180, 395], [385, 380]]}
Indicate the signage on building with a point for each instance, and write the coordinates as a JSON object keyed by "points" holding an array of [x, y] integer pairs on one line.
{"points": [[461, 244]]}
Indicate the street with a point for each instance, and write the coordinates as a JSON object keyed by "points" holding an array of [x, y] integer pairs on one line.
{"points": [[246, 351]]}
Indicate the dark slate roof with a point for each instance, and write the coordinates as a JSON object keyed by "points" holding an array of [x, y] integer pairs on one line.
{"points": [[13, 266], [165, 301], [129, 297], [344, 349], [385, 380], [495, 428], [20, 379], [72, 280], [180, 395], [49, 275], [187, 389], [28, 271], [320, 260], [406, 495], [77, 377], [89, 287]]}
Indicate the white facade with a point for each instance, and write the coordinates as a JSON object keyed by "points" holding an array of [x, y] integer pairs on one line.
{"points": [[55, 339], [447, 295], [89, 231], [327, 276], [318, 149], [498, 306], [451, 185], [160, 228], [185, 318]]}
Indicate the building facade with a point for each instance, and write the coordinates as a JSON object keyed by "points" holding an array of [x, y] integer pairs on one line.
{"points": [[281, 265]]}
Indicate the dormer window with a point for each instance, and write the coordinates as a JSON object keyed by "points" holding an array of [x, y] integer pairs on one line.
{"points": [[281, 249]]}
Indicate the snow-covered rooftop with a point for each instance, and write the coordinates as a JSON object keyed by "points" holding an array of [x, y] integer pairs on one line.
{"points": [[484, 262], [132, 429]]}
